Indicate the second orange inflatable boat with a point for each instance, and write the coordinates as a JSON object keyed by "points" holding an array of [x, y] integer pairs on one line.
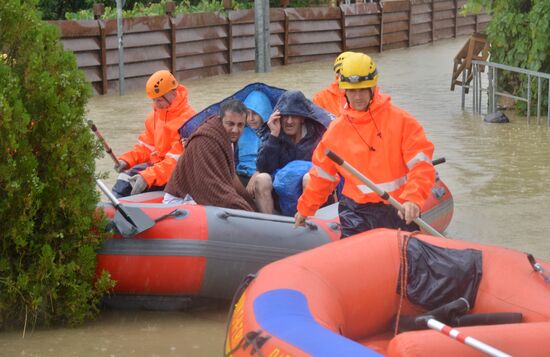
{"points": [[341, 299]]}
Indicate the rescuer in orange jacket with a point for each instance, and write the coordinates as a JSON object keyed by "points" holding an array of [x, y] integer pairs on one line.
{"points": [[383, 142], [150, 163], [332, 98]]}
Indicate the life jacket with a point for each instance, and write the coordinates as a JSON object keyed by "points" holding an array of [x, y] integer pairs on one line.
{"points": [[159, 143], [331, 98], [384, 143]]}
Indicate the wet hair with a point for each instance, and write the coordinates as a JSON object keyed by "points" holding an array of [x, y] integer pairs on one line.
{"points": [[233, 106]]}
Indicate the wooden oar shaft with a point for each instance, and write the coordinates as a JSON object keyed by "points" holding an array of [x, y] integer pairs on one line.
{"points": [[108, 149], [383, 194], [467, 340]]}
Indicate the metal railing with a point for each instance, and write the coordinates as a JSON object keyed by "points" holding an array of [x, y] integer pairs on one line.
{"points": [[478, 67]]}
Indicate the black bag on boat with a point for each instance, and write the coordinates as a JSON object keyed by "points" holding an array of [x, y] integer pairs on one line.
{"points": [[437, 276]]}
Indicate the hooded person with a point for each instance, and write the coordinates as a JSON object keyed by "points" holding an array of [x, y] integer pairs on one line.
{"points": [[148, 166], [206, 171], [294, 130], [259, 107]]}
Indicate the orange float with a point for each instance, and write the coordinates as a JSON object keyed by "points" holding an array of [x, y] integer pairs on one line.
{"points": [[341, 300]]}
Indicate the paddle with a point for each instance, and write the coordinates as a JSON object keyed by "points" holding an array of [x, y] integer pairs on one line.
{"points": [[108, 149], [129, 221], [383, 194], [467, 340]]}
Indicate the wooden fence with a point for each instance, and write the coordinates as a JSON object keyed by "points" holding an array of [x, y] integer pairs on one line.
{"points": [[206, 44]]}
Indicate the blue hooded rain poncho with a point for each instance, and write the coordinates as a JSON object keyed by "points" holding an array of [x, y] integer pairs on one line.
{"points": [[249, 142]]}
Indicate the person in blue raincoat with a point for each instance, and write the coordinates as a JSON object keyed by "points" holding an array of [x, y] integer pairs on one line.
{"points": [[260, 108], [293, 131]]}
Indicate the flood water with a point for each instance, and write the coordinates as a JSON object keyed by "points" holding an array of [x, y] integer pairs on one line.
{"points": [[498, 174]]}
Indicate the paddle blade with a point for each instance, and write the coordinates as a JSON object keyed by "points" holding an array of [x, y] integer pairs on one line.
{"points": [[130, 221]]}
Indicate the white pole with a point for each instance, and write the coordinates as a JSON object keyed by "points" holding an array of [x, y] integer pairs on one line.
{"points": [[120, 47], [470, 341], [261, 36]]}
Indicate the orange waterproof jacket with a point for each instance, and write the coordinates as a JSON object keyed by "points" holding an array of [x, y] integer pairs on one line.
{"points": [[159, 144], [331, 99], [385, 143]]}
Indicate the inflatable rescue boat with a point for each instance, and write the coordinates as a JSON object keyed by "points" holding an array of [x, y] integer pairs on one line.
{"points": [[345, 299], [194, 250]]}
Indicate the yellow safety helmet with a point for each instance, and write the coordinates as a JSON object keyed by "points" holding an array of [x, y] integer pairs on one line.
{"points": [[358, 71], [338, 61], [160, 83]]}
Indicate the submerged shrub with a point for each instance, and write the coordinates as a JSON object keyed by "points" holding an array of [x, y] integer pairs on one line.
{"points": [[49, 231]]}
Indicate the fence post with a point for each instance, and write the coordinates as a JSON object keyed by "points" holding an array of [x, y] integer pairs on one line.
{"points": [[262, 36], [474, 87], [229, 44], [433, 21], [539, 94], [98, 10], [285, 44], [170, 8], [120, 35], [490, 90], [410, 21], [495, 88], [456, 18], [103, 55], [463, 92], [529, 99], [343, 29], [381, 5]]}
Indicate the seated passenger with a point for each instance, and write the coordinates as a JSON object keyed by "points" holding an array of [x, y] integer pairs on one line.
{"points": [[294, 132], [148, 166], [206, 170], [259, 107]]}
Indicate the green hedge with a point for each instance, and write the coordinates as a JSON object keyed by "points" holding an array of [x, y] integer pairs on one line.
{"points": [[49, 229], [82, 9]]}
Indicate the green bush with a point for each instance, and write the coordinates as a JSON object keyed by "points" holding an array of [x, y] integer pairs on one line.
{"points": [[156, 8], [49, 229], [519, 35]]}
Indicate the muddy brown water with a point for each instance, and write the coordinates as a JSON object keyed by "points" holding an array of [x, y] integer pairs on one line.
{"points": [[498, 174]]}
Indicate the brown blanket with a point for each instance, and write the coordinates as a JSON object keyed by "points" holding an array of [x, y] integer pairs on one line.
{"points": [[206, 170]]}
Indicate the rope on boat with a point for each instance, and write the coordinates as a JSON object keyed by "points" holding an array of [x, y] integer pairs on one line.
{"points": [[404, 271]]}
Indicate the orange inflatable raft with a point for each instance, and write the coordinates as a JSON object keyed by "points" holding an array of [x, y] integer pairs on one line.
{"points": [[207, 251], [341, 300]]}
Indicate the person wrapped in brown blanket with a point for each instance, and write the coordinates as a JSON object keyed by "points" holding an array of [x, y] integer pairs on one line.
{"points": [[206, 170]]}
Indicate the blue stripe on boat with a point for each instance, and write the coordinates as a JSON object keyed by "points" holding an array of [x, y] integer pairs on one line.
{"points": [[284, 314]]}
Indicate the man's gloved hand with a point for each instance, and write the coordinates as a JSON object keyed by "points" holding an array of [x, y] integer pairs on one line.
{"points": [[138, 184], [121, 166]]}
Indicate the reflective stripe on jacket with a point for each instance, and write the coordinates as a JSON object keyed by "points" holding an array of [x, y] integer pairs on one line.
{"points": [[385, 143], [331, 99], [159, 143]]}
